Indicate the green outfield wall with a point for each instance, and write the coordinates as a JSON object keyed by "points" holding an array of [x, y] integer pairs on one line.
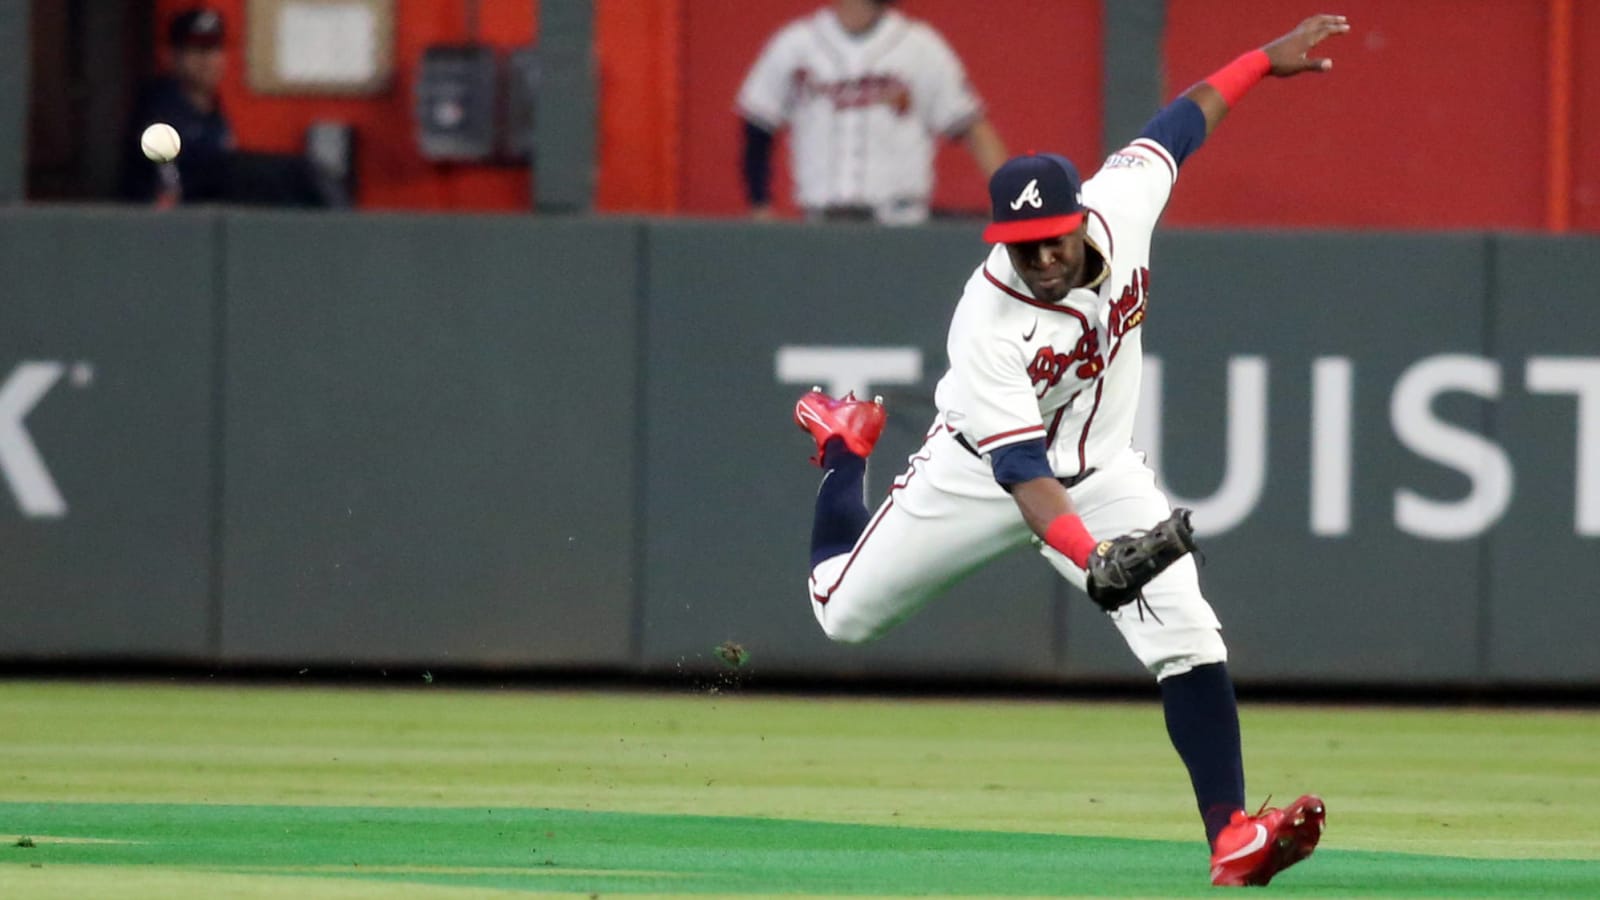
{"points": [[244, 438]]}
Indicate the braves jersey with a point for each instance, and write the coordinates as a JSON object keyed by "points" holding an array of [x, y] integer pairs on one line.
{"points": [[1068, 372], [863, 110]]}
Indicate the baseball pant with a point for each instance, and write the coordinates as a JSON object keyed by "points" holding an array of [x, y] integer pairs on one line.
{"points": [[946, 517]]}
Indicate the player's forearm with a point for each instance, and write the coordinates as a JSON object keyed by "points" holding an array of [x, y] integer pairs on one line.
{"points": [[757, 165], [1222, 89], [984, 143], [1047, 508], [1041, 501]]}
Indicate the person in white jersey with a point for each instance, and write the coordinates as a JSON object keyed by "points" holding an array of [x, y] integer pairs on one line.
{"points": [[866, 93], [1032, 444]]}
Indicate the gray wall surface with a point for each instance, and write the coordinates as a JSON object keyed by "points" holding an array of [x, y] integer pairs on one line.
{"points": [[728, 491], [14, 59], [1542, 575], [429, 440], [106, 376], [507, 441], [1295, 605]]}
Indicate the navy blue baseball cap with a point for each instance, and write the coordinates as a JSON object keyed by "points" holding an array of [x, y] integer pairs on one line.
{"points": [[198, 27], [1034, 197]]}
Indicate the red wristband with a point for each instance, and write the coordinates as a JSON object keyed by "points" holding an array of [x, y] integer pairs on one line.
{"points": [[1233, 79], [1068, 535]]}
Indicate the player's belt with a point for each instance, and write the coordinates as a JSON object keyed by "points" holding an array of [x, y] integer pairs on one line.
{"points": [[1070, 481], [845, 214]]}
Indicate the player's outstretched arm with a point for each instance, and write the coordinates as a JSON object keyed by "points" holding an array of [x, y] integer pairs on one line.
{"points": [[1184, 124], [1285, 57]]}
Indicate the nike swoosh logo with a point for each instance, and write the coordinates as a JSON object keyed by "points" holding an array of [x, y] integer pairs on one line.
{"points": [[1259, 841], [1032, 331], [806, 415]]}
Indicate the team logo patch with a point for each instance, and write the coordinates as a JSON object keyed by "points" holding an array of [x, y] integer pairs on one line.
{"points": [[1125, 161], [1030, 196], [1127, 311]]}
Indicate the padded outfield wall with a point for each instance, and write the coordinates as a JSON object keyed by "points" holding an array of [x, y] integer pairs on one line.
{"points": [[260, 438]]}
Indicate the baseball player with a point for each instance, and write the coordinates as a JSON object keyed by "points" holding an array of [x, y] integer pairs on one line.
{"points": [[1031, 443], [865, 93]]}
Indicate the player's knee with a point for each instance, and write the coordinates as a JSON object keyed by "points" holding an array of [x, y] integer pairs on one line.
{"points": [[1194, 648], [849, 630], [843, 628]]}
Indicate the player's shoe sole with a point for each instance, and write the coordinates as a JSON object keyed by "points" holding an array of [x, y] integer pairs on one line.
{"points": [[1252, 849], [859, 423]]}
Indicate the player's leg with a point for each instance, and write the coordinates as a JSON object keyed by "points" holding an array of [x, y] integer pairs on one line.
{"points": [[1175, 631], [1177, 637], [921, 540], [869, 572], [1179, 640]]}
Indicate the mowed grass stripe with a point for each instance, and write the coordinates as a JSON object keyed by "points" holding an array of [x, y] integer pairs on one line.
{"points": [[1467, 783], [618, 853]]}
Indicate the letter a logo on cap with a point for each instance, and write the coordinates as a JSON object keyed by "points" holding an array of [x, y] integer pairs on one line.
{"points": [[1030, 195]]}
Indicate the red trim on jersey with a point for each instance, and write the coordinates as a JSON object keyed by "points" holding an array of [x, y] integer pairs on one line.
{"points": [[1114, 348], [1083, 439], [983, 444], [883, 510], [1050, 435], [1032, 301], [1111, 244], [1159, 151]]}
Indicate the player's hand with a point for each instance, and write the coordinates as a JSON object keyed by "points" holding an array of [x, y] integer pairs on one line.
{"points": [[763, 214], [1290, 54]]}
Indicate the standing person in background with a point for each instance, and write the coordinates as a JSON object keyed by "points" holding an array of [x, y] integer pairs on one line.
{"points": [[187, 99], [865, 91], [210, 168]]}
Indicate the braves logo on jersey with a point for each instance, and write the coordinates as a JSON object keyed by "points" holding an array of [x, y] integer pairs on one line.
{"points": [[1084, 360], [856, 93], [1127, 311], [1049, 366]]}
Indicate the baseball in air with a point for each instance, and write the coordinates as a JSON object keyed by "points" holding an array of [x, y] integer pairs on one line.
{"points": [[160, 142]]}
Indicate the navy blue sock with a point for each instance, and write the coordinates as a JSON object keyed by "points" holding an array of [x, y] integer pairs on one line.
{"points": [[841, 512], [1203, 722]]}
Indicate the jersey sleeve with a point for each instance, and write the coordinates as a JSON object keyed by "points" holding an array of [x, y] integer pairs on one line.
{"points": [[767, 95], [1136, 181], [953, 106], [1179, 128], [999, 409]]}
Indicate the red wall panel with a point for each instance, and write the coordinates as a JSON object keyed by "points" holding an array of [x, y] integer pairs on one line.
{"points": [[1586, 117], [1434, 117], [640, 140], [1037, 68], [390, 172]]}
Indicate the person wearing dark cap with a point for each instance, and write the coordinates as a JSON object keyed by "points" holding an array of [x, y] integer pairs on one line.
{"points": [[188, 100], [1032, 445], [210, 168]]}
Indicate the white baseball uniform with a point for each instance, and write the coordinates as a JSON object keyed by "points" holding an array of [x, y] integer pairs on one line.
{"points": [[1022, 369], [864, 111]]}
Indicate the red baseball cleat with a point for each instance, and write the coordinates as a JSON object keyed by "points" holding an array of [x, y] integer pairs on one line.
{"points": [[860, 423], [1252, 849]]}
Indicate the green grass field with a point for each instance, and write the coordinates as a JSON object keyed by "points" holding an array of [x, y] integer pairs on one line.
{"points": [[165, 791]]}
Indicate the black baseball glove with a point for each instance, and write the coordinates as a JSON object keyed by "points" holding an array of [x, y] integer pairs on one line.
{"points": [[1120, 568]]}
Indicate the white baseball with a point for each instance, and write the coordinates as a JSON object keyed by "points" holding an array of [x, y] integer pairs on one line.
{"points": [[160, 142]]}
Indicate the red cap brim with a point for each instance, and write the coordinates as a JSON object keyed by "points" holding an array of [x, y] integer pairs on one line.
{"points": [[1032, 229]]}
